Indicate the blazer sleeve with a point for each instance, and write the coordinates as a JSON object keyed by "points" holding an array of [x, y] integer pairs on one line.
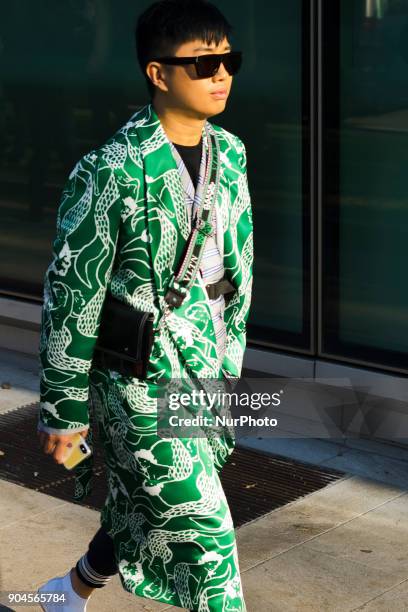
{"points": [[75, 285], [236, 332]]}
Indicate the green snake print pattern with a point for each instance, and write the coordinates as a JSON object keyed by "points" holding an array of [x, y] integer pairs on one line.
{"points": [[121, 227]]}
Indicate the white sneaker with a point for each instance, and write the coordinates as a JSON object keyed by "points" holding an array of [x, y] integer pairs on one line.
{"points": [[67, 600]]}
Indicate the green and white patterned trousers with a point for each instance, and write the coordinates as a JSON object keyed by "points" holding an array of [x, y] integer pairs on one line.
{"points": [[166, 510]]}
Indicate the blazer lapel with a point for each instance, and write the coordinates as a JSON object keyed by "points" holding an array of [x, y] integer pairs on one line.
{"points": [[232, 205]]}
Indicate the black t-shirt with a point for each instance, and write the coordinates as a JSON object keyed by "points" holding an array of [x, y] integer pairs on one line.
{"points": [[191, 156]]}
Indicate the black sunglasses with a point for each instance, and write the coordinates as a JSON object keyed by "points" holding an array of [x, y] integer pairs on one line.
{"points": [[207, 65]]}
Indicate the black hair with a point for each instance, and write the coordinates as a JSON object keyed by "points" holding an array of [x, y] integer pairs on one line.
{"points": [[167, 24]]}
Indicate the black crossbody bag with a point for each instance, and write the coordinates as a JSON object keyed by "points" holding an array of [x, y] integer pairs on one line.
{"points": [[125, 338]]}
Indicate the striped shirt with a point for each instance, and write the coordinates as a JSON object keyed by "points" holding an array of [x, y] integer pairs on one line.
{"points": [[211, 267]]}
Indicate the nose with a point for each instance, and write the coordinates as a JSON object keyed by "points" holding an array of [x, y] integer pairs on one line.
{"points": [[221, 72]]}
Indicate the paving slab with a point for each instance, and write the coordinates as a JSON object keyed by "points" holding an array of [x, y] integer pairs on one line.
{"points": [[308, 517], [305, 580], [378, 538], [393, 600], [302, 449], [18, 503], [19, 380], [49, 540], [390, 471], [388, 450]]}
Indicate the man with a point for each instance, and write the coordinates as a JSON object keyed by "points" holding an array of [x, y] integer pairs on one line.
{"points": [[124, 219]]}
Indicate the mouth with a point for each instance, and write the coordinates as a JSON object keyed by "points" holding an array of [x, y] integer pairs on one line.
{"points": [[220, 94]]}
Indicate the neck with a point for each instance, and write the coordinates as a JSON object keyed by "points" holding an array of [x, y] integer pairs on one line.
{"points": [[180, 127]]}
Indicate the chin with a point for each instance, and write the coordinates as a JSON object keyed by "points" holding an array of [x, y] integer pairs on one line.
{"points": [[211, 109], [217, 108]]}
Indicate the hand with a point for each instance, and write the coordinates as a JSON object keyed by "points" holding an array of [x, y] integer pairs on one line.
{"points": [[56, 445]]}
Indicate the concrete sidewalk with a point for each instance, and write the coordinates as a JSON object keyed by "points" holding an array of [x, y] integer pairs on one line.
{"points": [[342, 548]]}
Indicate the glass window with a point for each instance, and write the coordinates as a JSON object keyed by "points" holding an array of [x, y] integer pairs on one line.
{"points": [[266, 110], [365, 196], [69, 78]]}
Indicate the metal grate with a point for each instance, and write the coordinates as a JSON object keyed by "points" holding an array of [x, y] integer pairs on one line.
{"points": [[254, 483]]}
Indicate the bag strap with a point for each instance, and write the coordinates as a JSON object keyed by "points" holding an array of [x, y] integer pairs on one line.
{"points": [[189, 265]]}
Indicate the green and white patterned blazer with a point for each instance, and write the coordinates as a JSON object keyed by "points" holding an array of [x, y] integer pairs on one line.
{"points": [[122, 225]]}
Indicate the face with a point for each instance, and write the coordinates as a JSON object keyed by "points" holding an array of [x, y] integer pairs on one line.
{"points": [[184, 90]]}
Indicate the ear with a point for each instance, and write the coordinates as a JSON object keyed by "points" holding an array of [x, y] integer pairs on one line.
{"points": [[157, 75]]}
